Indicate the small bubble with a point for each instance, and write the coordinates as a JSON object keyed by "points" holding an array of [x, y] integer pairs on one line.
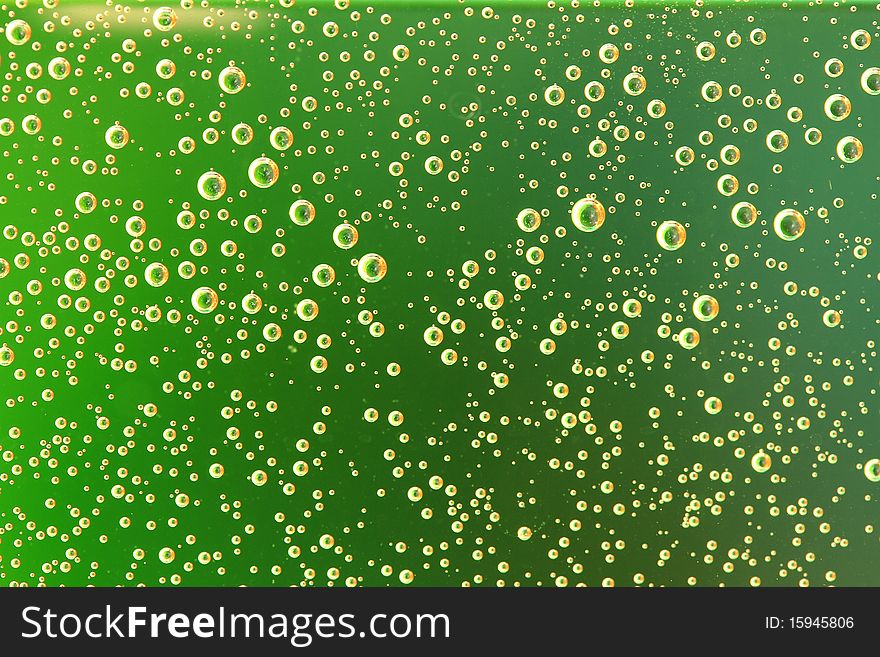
{"points": [[635, 84], [323, 275], [850, 149], [871, 469], [777, 141], [554, 95], [232, 79], [705, 51], [594, 91], [837, 107], [281, 138], [656, 109], [116, 136], [789, 224], [685, 156], [6, 356], [671, 235], [831, 318], [433, 165], [712, 405], [164, 19], [242, 134], [711, 91], [528, 220], [18, 32], [433, 336], [263, 172], [870, 80], [860, 39], [761, 462], [307, 310], [272, 332], [588, 215], [165, 69], [86, 202], [744, 214], [156, 274], [251, 303], [689, 338], [302, 212], [372, 268], [211, 185], [833, 67], [166, 555], [493, 299], [345, 236], [705, 308], [204, 300]]}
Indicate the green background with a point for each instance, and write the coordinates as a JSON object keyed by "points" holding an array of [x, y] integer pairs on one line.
{"points": [[483, 105]]}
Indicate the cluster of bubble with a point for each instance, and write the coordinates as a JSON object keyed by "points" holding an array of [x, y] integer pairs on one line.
{"points": [[514, 314]]}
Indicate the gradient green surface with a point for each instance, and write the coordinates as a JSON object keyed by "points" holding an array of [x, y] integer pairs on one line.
{"points": [[621, 477]]}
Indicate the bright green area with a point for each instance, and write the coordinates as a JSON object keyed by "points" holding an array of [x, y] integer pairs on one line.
{"points": [[493, 457]]}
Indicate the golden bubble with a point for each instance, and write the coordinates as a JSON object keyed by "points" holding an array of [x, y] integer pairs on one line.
{"points": [[789, 224], [554, 95], [837, 107], [372, 267], [705, 308], [689, 338], [528, 220], [232, 79], [588, 215], [671, 235], [761, 462], [850, 149], [205, 299]]}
